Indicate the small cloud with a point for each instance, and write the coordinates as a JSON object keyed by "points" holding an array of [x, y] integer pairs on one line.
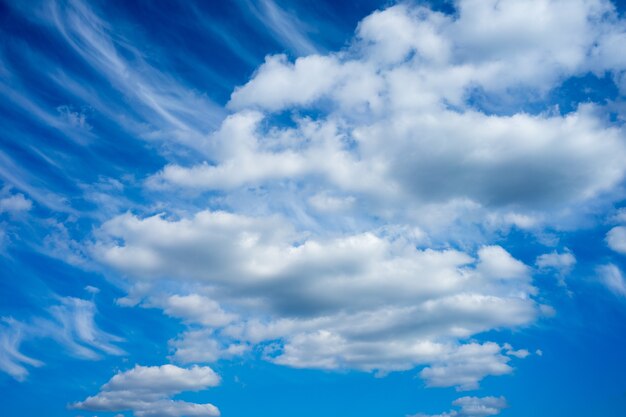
{"points": [[77, 119], [612, 278], [473, 407], [147, 391], [15, 203], [616, 239], [92, 290]]}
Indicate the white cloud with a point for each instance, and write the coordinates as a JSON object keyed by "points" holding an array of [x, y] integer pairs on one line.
{"points": [[561, 263], [284, 26], [73, 326], [612, 278], [202, 346], [474, 407], [15, 203], [616, 239], [70, 323], [146, 391], [399, 131], [400, 146], [479, 407], [195, 308], [12, 361], [466, 366], [326, 302]]}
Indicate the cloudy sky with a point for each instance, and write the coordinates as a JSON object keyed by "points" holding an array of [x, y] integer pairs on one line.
{"points": [[273, 208]]}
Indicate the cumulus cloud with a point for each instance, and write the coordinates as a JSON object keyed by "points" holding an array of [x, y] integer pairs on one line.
{"points": [[195, 308], [415, 127], [612, 278], [327, 303], [616, 239], [474, 407], [15, 203], [401, 127], [562, 262], [146, 391]]}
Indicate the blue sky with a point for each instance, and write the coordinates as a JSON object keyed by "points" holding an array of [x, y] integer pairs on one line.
{"points": [[274, 209]]}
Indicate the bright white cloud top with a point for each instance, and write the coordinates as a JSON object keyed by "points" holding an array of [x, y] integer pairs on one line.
{"points": [[145, 390]]}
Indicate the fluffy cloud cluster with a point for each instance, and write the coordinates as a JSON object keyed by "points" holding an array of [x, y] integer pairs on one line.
{"points": [[612, 278], [402, 119], [474, 407], [146, 391], [14, 204], [333, 250], [365, 301], [616, 239]]}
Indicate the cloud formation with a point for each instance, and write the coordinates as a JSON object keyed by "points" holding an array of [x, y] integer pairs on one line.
{"points": [[418, 120], [146, 391], [405, 123], [345, 210], [71, 323], [362, 301], [474, 407]]}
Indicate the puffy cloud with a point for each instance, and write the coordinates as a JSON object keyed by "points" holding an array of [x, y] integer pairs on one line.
{"points": [[474, 407], [562, 262], [15, 203], [195, 308], [612, 278], [466, 366], [616, 239], [490, 45], [204, 346], [397, 123], [418, 121], [326, 302], [146, 391], [479, 407]]}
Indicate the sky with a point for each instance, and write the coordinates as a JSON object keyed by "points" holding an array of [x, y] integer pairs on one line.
{"points": [[272, 208]]}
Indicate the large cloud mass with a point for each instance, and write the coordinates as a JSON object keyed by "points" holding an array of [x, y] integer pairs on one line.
{"points": [[340, 216]]}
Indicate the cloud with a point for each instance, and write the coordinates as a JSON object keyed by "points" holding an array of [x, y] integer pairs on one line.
{"points": [[612, 278], [70, 323], [73, 326], [327, 303], [474, 407], [195, 308], [616, 239], [12, 361], [416, 138], [285, 27], [15, 203], [560, 263], [399, 126], [465, 367], [146, 391]]}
